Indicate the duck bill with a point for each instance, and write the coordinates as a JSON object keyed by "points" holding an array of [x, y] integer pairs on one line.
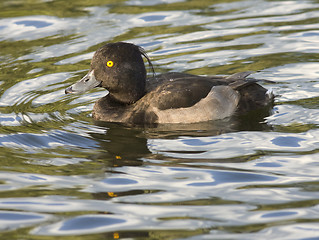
{"points": [[87, 83]]}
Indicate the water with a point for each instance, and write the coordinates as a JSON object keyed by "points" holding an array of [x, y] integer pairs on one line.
{"points": [[62, 174]]}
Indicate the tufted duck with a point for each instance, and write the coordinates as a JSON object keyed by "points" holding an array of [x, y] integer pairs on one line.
{"points": [[165, 98]]}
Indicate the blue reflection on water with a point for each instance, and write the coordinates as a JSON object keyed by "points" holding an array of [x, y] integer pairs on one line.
{"points": [[278, 214], [287, 141], [32, 177], [119, 181], [18, 216], [268, 164], [86, 222], [310, 34], [34, 23], [197, 142], [153, 18]]}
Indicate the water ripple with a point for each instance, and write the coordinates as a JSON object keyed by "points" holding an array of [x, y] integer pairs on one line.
{"points": [[62, 174], [234, 144]]}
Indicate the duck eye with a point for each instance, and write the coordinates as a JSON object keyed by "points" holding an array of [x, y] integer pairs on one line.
{"points": [[109, 63]]}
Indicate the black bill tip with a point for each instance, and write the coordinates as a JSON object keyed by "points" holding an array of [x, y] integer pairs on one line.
{"points": [[68, 90]]}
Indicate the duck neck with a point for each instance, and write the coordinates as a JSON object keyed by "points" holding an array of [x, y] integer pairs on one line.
{"points": [[124, 98], [129, 92]]}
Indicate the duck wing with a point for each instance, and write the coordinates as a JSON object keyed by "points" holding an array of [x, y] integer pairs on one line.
{"points": [[158, 80], [180, 93], [181, 90]]}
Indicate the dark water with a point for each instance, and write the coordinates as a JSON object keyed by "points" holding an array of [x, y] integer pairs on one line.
{"points": [[62, 174]]}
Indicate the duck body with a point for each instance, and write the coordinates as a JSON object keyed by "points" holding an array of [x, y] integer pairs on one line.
{"points": [[166, 98]]}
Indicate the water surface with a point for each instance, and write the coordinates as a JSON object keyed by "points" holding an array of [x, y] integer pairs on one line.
{"points": [[62, 174]]}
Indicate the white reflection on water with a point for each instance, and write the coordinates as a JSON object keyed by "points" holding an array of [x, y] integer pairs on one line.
{"points": [[266, 8], [30, 27], [25, 91], [48, 139], [292, 114], [286, 232], [231, 145]]}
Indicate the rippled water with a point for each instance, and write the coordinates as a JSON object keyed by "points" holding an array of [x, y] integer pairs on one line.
{"points": [[62, 174]]}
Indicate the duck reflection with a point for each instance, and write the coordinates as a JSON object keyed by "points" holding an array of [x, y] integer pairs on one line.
{"points": [[125, 146]]}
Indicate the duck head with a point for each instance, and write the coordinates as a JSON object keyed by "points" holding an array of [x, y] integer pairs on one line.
{"points": [[119, 68]]}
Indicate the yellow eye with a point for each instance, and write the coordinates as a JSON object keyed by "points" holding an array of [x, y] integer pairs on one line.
{"points": [[109, 63]]}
